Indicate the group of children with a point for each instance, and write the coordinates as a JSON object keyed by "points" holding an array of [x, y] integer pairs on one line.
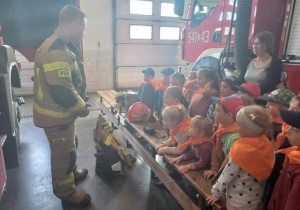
{"points": [[252, 148]]}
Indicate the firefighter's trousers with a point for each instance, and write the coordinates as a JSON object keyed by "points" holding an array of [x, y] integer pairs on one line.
{"points": [[63, 158]]}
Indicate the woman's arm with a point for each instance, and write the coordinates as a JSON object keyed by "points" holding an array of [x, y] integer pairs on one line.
{"points": [[273, 76]]}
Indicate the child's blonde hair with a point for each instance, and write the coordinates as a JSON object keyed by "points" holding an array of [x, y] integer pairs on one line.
{"points": [[202, 124], [255, 118], [176, 113], [174, 92]]}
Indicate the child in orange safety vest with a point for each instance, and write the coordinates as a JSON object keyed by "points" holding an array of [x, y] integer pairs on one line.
{"points": [[161, 87], [147, 89]]}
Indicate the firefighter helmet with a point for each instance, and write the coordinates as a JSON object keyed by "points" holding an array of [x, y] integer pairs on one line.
{"points": [[138, 112]]}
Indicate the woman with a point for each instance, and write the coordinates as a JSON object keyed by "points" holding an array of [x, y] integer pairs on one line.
{"points": [[263, 70]]}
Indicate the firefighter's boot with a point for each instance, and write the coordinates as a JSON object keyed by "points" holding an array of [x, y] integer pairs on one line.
{"points": [[80, 174], [76, 199]]}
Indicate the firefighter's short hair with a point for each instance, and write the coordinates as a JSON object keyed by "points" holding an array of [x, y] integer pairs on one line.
{"points": [[70, 13]]}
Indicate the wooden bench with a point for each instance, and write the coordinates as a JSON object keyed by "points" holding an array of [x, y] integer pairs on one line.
{"points": [[195, 178]]}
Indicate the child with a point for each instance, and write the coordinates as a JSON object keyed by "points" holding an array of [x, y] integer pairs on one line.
{"points": [[147, 88], [173, 96], [161, 87], [200, 143], [177, 79], [205, 86], [226, 134], [250, 163], [279, 98], [226, 89], [188, 93], [287, 189], [295, 103], [248, 90], [227, 86], [176, 119]]}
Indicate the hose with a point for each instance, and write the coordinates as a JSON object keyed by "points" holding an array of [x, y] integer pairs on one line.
{"points": [[241, 34]]}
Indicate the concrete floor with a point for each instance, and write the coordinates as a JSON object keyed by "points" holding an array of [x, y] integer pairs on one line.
{"points": [[29, 185]]}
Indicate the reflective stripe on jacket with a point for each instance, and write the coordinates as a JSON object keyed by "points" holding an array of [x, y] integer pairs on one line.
{"points": [[56, 102]]}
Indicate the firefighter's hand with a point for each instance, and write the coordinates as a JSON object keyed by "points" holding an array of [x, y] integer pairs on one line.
{"points": [[85, 113]]}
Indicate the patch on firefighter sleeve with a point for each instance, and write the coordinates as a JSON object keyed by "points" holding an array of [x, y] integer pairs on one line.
{"points": [[64, 73], [60, 140]]}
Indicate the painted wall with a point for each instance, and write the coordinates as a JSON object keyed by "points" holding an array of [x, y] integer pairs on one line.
{"points": [[98, 44]]}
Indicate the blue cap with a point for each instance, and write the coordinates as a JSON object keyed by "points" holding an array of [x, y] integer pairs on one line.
{"points": [[167, 71], [149, 71]]}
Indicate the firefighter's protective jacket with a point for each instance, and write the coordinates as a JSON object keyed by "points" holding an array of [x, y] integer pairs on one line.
{"points": [[56, 73]]}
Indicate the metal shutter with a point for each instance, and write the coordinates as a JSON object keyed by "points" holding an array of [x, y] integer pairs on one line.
{"points": [[133, 55], [293, 47]]}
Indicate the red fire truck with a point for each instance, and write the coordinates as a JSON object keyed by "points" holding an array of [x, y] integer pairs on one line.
{"points": [[219, 33]]}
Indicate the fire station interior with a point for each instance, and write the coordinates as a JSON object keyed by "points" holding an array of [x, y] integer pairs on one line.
{"points": [[122, 37]]}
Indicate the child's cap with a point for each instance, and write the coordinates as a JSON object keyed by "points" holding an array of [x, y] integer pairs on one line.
{"points": [[149, 71], [167, 71], [249, 88], [290, 117], [232, 81], [232, 104], [282, 96]]}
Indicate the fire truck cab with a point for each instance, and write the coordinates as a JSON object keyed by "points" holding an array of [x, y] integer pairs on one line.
{"points": [[214, 28]]}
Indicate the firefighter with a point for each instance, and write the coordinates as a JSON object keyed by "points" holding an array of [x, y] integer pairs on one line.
{"points": [[58, 101]]}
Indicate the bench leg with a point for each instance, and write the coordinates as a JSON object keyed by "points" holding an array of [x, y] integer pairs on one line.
{"points": [[202, 203], [112, 110], [128, 145], [101, 101], [153, 154]]}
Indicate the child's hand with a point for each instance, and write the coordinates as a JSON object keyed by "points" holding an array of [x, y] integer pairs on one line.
{"points": [[207, 87], [209, 173], [160, 151], [211, 200], [185, 168], [158, 147], [176, 160], [164, 136]]}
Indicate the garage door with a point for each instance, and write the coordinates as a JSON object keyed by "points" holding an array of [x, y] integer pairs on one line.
{"points": [[147, 34]]}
